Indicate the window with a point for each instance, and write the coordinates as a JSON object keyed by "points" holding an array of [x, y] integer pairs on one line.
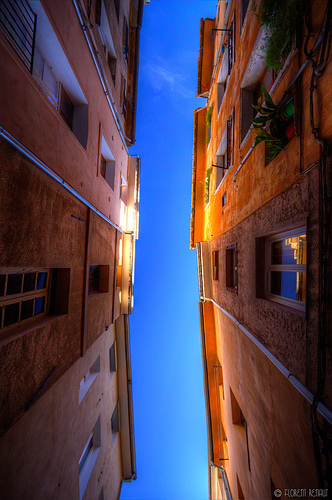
{"points": [[45, 77], [231, 269], [123, 190], [23, 295], [244, 9], [98, 279], [18, 23], [88, 379], [107, 164], [249, 96], [112, 352], [89, 457], [224, 199], [52, 71], [231, 45], [117, 7], [66, 108], [115, 423], [286, 259], [227, 64], [239, 420], [222, 157], [207, 186], [229, 151], [215, 264], [123, 98], [239, 489], [106, 38], [28, 294], [125, 38]]}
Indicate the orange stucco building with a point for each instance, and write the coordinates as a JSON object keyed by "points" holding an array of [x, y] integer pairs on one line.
{"points": [[69, 221], [260, 224]]}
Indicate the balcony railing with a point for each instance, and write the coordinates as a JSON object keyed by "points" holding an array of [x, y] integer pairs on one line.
{"points": [[18, 23]]}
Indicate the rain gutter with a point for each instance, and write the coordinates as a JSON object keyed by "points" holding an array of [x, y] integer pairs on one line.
{"points": [[40, 164], [137, 43], [99, 67], [322, 409]]}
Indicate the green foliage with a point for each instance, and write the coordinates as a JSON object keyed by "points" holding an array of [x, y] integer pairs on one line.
{"points": [[209, 115], [268, 127], [281, 18], [207, 185]]}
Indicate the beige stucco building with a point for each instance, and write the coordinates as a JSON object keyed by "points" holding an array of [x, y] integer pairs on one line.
{"points": [[261, 228], [69, 221]]}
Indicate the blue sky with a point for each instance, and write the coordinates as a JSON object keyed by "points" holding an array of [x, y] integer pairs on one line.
{"points": [[169, 411]]}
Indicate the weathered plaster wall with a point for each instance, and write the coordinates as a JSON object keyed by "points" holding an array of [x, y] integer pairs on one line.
{"points": [[278, 419], [63, 426], [288, 334], [42, 230]]}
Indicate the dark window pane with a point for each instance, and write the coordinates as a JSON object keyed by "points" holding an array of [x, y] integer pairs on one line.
{"points": [[103, 166], [29, 282], [14, 284], [26, 309], [291, 285], [39, 305], [41, 281], [2, 284], [11, 314], [93, 279]]}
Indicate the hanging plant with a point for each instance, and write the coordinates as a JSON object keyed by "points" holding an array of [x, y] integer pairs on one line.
{"points": [[281, 18], [206, 184], [209, 115], [272, 123]]}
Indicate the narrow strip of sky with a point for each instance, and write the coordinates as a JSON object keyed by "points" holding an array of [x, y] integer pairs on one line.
{"points": [[169, 411]]}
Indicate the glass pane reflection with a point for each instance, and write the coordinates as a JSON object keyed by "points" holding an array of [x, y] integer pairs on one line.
{"points": [[289, 251], [291, 285]]}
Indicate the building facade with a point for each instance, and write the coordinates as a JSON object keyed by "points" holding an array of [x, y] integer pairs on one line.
{"points": [[260, 223], [69, 221]]}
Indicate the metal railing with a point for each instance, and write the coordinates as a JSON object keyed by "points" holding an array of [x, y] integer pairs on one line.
{"points": [[18, 23]]}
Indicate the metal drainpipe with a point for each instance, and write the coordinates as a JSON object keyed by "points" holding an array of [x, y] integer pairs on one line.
{"points": [[226, 485], [102, 78], [34, 159], [323, 410]]}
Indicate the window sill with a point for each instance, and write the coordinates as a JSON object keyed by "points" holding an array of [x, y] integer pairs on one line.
{"points": [[286, 308], [232, 289], [19, 331]]}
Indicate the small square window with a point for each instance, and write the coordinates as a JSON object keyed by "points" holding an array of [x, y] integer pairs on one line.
{"points": [[112, 352], [286, 259], [224, 199], [231, 269], [115, 423], [98, 279], [89, 457], [215, 264]]}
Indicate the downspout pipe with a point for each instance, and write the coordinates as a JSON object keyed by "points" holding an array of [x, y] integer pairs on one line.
{"points": [[322, 409], [40, 164], [102, 79]]}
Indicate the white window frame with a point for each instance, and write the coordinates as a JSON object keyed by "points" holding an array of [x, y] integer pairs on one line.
{"points": [[94, 443], [301, 268], [88, 379]]}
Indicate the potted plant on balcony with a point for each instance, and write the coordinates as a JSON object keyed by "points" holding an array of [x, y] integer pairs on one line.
{"points": [[271, 124]]}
